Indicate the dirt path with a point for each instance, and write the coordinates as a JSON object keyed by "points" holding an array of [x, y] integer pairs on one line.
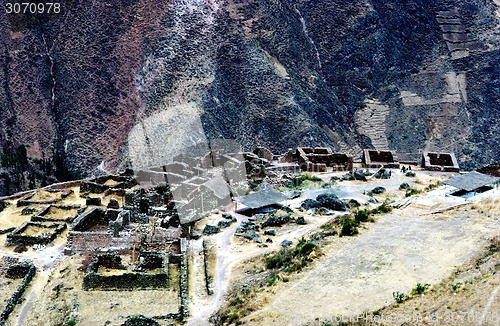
{"points": [[220, 281], [34, 290], [397, 252]]}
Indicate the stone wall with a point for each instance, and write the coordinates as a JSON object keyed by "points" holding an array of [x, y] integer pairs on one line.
{"points": [[445, 162], [377, 159]]}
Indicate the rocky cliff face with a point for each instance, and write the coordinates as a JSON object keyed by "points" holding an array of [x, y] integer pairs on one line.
{"points": [[106, 84]]}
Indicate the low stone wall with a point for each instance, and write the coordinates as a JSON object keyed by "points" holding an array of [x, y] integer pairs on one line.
{"points": [[376, 159], [98, 186], [18, 238], [445, 162], [183, 281], [206, 262], [95, 241], [94, 216], [15, 298], [40, 216], [94, 280]]}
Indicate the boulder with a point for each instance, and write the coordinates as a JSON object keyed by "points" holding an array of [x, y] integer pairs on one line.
{"points": [[194, 235], [286, 243], [378, 190], [383, 174], [410, 174], [310, 204], [331, 201], [347, 177], [324, 211], [227, 215], [404, 186], [270, 232], [301, 220], [276, 220], [28, 210], [359, 175], [251, 235], [225, 223], [210, 229]]}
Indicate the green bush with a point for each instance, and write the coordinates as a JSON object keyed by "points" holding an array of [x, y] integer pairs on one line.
{"points": [[310, 177], [384, 208], [411, 192], [419, 289], [271, 281], [349, 227], [398, 297], [307, 248], [353, 203], [280, 259], [361, 215]]}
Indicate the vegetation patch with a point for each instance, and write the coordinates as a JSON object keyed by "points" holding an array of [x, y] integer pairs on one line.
{"points": [[292, 260]]}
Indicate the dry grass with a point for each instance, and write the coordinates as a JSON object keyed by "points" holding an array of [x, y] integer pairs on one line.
{"points": [[38, 230]]}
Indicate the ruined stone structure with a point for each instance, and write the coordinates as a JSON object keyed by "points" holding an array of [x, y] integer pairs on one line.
{"points": [[151, 272], [378, 159], [320, 158], [446, 162], [30, 233], [101, 184]]}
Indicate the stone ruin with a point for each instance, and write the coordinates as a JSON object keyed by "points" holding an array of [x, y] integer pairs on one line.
{"points": [[101, 184], [150, 272], [32, 233], [445, 162], [380, 159], [33, 198], [320, 158]]}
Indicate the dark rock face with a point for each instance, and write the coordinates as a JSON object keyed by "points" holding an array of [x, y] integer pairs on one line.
{"points": [[301, 73]]}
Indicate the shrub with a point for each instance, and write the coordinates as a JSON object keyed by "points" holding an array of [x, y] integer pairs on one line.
{"points": [[280, 259], [306, 248], [398, 297], [353, 203], [349, 227], [456, 286], [411, 192], [419, 289], [361, 215], [433, 185], [308, 176], [384, 208]]}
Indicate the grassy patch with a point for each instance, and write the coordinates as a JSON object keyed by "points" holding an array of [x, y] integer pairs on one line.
{"points": [[291, 260]]}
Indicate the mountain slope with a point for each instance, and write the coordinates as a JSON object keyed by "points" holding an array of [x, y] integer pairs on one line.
{"points": [[107, 84]]}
